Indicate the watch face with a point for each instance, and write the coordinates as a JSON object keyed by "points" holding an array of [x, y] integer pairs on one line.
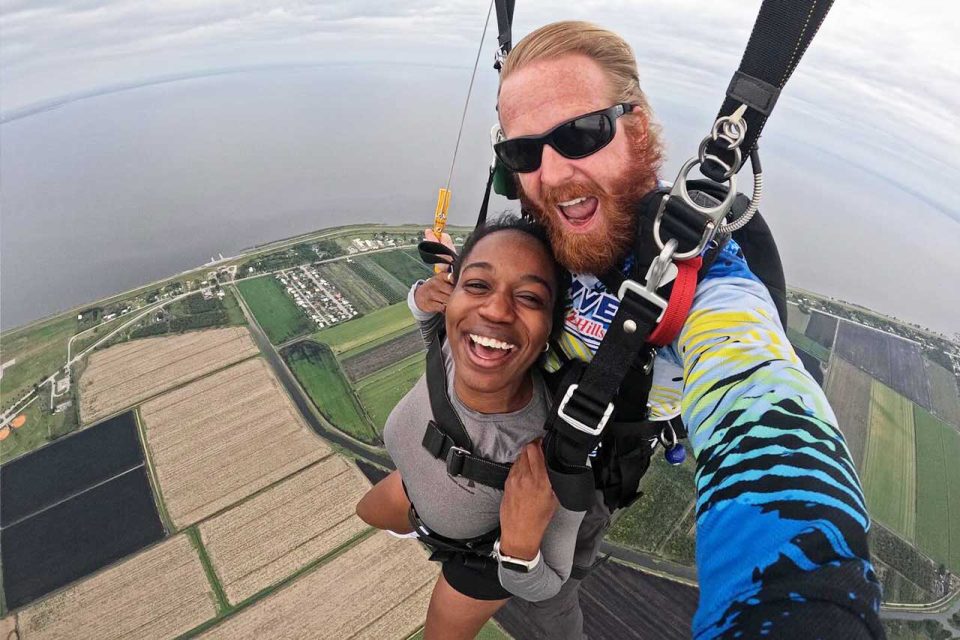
{"points": [[514, 566]]}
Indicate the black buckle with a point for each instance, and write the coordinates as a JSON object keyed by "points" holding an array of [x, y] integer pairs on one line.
{"points": [[455, 459]]}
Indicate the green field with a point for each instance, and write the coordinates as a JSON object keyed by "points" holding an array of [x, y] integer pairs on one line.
{"points": [[380, 392], [809, 345], [890, 465], [380, 279], [318, 373], [658, 522], [405, 267], [938, 489], [380, 324], [276, 312], [363, 296], [39, 350]]}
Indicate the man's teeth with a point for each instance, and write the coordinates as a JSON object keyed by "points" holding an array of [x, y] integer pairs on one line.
{"points": [[570, 203], [493, 343]]}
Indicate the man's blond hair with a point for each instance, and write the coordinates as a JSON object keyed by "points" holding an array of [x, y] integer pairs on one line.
{"points": [[571, 37]]}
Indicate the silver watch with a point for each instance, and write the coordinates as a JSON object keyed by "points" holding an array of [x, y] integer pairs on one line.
{"points": [[515, 564]]}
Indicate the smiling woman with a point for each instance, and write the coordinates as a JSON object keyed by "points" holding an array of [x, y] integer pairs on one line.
{"points": [[500, 310]]}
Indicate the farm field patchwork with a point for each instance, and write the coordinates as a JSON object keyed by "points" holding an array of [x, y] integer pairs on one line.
{"points": [[890, 465], [274, 310], [160, 593], [384, 355], [407, 268], [75, 463], [797, 319], [893, 361], [78, 536], [363, 296], [848, 390], [380, 392], [802, 342], [376, 589], [351, 335], [938, 489], [123, 375], [318, 372], [379, 278], [658, 514], [38, 351], [944, 394], [224, 437], [274, 534], [821, 329]]}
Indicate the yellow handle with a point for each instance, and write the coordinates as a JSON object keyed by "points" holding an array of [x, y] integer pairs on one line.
{"points": [[440, 215]]}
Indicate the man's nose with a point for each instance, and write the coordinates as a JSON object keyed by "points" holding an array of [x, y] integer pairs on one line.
{"points": [[498, 307], [555, 170]]}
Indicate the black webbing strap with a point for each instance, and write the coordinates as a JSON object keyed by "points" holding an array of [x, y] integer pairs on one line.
{"points": [[446, 438], [479, 548], [505, 27], [781, 35], [482, 216]]}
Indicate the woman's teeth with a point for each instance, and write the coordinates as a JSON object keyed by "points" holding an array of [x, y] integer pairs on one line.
{"points": [[491, 343]]}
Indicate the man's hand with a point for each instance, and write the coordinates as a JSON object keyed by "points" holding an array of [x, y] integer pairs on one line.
{"points": [[432, 295], [528, 504]]}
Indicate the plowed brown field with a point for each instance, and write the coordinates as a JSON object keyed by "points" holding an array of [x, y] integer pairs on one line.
{"points": [[223, 438], [377, 589], [160, 593], [122, 376], [269, 537]]}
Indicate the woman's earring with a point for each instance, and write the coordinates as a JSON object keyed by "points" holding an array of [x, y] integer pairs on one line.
{"points": [[546, 347]]}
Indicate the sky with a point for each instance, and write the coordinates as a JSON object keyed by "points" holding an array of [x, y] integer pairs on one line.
{"points": [[877, 94]]}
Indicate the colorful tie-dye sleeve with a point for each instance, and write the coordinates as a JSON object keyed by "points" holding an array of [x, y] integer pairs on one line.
{"points": [[781, 518]]}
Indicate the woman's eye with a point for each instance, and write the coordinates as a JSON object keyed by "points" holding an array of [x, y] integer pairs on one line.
{"points": [[531, 300], [476, 285]]}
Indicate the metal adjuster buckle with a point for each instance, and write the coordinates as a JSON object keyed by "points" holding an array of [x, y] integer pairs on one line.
{"points": [[455, 458], [576, 424], [643, 292]]}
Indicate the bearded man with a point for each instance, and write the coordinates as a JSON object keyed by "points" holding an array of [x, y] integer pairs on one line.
{"points": [[781, 519]]}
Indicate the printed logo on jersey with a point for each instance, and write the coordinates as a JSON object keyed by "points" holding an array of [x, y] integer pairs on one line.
{"points": [[590, 311]]}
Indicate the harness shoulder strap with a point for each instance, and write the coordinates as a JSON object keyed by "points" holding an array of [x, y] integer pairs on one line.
{"points": [[446, 438]]}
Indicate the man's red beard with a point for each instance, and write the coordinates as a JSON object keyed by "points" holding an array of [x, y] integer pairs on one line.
{"points": [[613, 234]]}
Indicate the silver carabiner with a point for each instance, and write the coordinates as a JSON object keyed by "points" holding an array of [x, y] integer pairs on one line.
{"points": [[715, 213]]}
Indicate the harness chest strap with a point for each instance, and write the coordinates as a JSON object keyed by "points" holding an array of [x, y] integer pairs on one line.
{"points": [[446, 438]]}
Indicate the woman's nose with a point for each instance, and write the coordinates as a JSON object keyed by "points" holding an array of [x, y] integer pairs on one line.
{"points": [[497, 307]]}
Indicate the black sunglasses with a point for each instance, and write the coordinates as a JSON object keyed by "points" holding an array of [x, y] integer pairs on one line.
{"points": [[576, 138]]}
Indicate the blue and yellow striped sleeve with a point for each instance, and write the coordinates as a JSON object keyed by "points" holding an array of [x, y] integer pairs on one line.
{"points": [[781, 519]]}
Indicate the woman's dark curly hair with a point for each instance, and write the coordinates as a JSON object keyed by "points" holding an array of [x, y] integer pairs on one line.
{"points": [[539, 233]]}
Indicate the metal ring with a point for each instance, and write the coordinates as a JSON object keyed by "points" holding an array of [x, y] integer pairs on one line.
{"points": [[703, 156], [673, 436]]}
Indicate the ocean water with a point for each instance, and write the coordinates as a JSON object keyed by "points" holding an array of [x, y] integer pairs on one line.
{"points": [[110, 192]]}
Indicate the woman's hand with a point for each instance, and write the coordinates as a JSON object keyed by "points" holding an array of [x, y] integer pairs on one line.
{"points": [[528, 504], [432, 295]]}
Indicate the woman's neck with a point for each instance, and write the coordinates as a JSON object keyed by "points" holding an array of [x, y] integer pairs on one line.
{"points": [[499, 401]]}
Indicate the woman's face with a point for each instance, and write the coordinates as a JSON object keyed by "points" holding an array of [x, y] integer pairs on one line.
{"points": [[499, 315]]}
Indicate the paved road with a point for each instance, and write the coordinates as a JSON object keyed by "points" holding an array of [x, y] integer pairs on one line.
{"points": [[303, 403]]}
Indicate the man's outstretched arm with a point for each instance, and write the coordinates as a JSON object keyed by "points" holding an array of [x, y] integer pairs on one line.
{"points": [[781, 519]]}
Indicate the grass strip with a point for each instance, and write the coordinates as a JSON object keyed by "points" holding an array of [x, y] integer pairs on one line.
{"points": [[222, 604], [152, 474], [263, 593]]}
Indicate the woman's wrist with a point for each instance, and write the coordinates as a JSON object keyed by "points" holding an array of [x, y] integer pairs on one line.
{"points": [[519, 547]]}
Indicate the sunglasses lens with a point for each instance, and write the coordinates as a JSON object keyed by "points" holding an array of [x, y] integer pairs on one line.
{"points": [[583, 136], [520, 155]]}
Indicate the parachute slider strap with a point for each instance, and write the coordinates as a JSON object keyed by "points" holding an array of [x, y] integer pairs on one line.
{"points": [[577, 424], [713, 214], [753, 92], [433, 252]]}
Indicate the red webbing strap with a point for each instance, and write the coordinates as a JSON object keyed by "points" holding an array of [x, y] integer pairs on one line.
{"points": [[681, 299]]}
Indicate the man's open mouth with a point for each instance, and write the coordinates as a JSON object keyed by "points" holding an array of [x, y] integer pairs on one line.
{"points": [[579, 212], [488, 351]]}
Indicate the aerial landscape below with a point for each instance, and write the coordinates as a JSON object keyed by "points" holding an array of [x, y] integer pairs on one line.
{"points": [[199, 425]]}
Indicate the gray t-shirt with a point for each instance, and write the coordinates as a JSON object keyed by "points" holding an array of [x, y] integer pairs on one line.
{"points": [[458, 508]]}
